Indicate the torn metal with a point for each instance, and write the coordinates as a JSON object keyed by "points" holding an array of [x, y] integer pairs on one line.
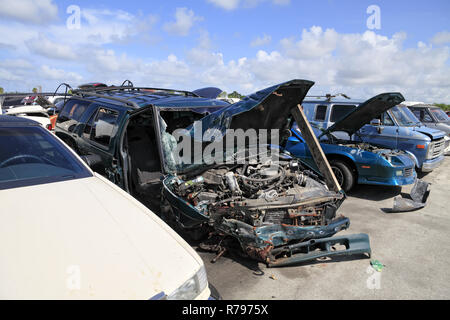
{"points": [[263, 206]]}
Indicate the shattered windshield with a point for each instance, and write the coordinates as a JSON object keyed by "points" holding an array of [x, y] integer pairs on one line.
{"points": [[404, 116], [183, 144]]}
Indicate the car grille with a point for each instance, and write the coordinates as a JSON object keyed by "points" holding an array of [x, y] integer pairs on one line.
{"points": [[408, 172], [436, 149]]}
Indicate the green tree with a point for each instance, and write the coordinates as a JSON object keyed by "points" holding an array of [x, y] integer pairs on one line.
{"points": [[35, 90], [235, 94], [443, 106], [1, 90]]}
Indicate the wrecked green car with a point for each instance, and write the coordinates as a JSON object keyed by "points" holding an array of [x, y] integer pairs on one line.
{"points": [[217, 172]]}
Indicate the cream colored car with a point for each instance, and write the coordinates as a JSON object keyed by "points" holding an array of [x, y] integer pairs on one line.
{"points": [[33, 112], [68, 233]]}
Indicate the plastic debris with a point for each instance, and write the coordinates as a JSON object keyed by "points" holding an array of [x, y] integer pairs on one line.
{"points": [[377, 265]]}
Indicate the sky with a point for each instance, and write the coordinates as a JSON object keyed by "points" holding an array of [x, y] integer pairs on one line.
{"points": [[360, 48]]}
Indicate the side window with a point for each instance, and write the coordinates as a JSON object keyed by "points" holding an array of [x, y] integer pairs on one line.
{"points": [[418, 113], [71, 114], [386, 120], [88, 127], [104, 126], [426, 117], [321, 111], [340, 111]]}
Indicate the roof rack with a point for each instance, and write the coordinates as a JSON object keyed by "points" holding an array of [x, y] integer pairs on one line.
{"points": [[85, 93], [329, 96], [24, 94], [132, 88]]}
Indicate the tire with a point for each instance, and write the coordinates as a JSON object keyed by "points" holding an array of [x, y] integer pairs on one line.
{"points": [[343, 173]]}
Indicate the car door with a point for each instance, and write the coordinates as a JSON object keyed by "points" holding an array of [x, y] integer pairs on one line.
{"points": [[386, 134], [99, 137], [69, 119]]}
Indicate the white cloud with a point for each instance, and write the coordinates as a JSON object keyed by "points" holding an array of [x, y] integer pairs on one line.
{"points": [[358, 64], [313, 43], [233, 4], [184, 20], [226, 4], [442, 37], [29, 11], [49, 73], [43, 46], [261, 41]]}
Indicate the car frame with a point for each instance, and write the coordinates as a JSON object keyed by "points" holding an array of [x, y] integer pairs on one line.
{"points": [[141, 109]]}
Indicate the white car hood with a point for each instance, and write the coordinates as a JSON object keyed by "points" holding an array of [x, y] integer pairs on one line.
{"points": [[87, 239]]}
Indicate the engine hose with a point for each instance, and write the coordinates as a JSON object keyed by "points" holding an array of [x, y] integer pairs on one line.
{"points": [[281, 176], [264, 179]]}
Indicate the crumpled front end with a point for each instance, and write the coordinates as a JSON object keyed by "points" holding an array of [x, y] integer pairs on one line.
{"points": [[259, 208]]}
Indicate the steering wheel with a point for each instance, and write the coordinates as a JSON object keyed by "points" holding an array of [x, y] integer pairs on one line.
{"points": [[18, 157]]}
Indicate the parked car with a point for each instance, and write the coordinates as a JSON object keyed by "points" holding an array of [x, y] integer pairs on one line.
{"points": [[358, 162], [397, 128], [69, 233], [432, 117], [270, 215], [32, 112]]}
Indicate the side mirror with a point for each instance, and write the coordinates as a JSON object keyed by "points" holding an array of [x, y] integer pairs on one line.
{"points": [[375, 122], [91, 159]]}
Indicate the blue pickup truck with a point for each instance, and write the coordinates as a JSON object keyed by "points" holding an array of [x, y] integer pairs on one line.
{"points": [[358, 162], [395, 128]]}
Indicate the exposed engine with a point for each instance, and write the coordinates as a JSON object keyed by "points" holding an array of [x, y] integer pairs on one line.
{"points": [[281, 192]]}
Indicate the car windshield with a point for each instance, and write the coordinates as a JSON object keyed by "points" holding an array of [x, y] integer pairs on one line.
{"points": [[440, 115], [30, 156], [404, 116]]}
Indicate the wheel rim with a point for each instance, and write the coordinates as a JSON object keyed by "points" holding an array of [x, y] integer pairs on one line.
{"points": [[339, 175]]}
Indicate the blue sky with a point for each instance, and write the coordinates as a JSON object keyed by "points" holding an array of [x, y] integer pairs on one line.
{"points": [[242, 45]]}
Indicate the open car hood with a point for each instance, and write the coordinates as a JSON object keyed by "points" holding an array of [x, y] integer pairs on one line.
{"points": [[365, 112], [269, 108], [208, 92]]}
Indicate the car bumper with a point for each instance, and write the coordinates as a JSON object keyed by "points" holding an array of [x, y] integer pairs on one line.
{"points": [[430, 165], [393, 181], [390, 179]]}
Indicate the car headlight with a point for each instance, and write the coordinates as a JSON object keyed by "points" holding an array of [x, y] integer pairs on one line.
{"points": [[192, 287]]}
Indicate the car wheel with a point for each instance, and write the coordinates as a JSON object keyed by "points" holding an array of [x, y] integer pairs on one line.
{"points": [[343, 173]]}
